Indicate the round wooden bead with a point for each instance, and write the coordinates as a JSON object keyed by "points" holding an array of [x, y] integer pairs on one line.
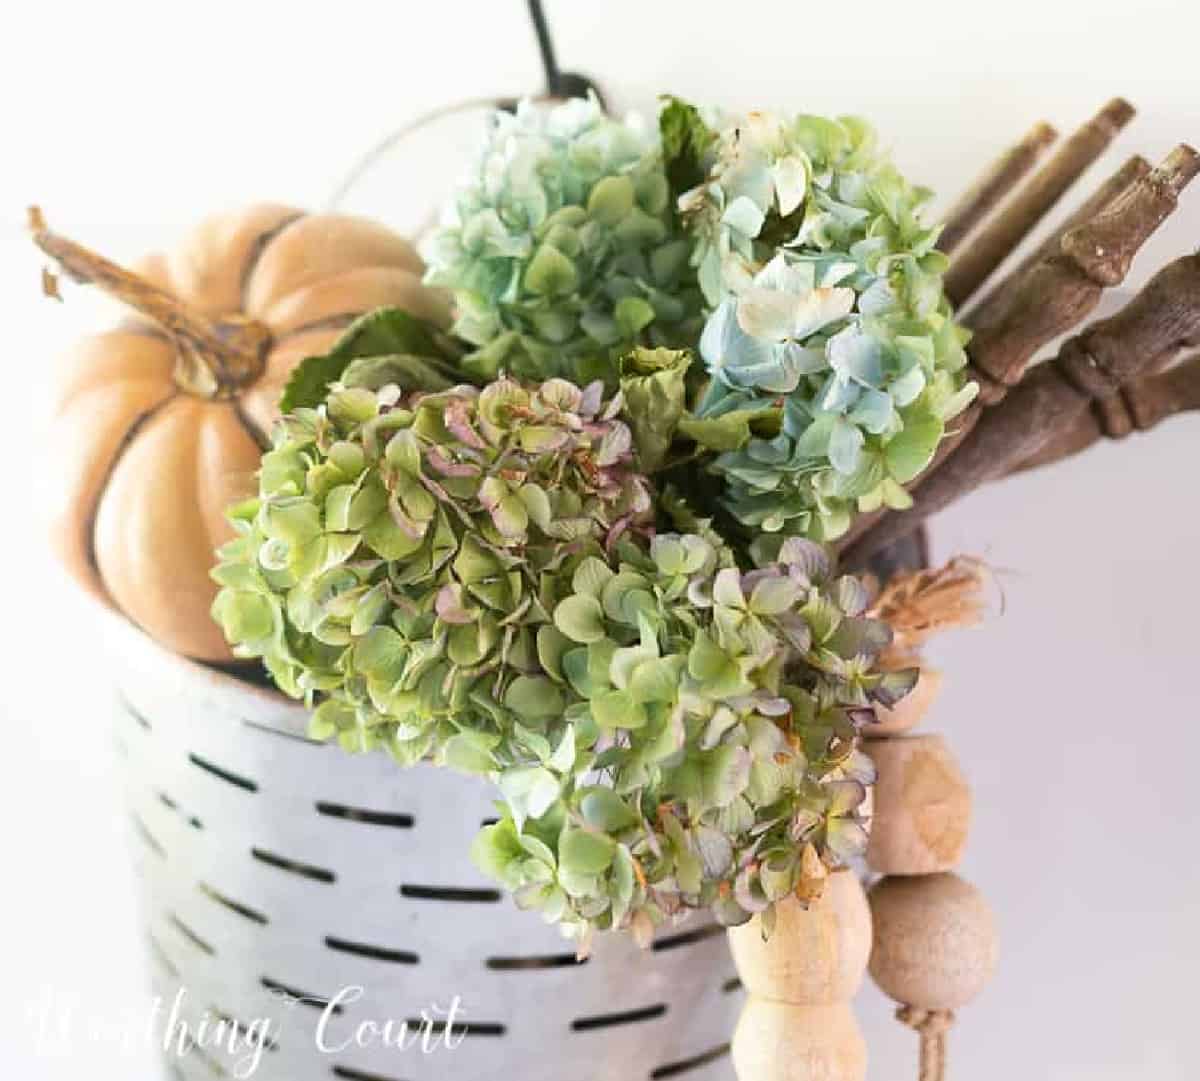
{"points": [[776, 1041], [910, 710], [935, 941], [815, 956], [922, 807]]}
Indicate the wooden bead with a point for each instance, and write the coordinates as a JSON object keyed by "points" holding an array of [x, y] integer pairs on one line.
{"points": [[934, 940], [815, 956], [922, 807], [775, 1041], [910, 710]]}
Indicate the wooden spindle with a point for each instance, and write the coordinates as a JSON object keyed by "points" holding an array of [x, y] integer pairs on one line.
{"points": [[1137, 407], [1059, 292], [991, 308], [797, 1024], [1004, 233], [1001, 177]]}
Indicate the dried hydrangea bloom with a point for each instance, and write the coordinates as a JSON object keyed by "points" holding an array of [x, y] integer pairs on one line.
{"points": [[711, 739], [404, 548], [828, 302], [561, 248]]}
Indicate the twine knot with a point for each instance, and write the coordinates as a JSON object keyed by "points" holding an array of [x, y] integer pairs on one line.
{"points": [[926, 1022], [931, 1026]]}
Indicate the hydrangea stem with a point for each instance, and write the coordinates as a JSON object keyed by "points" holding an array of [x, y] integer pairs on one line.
{"points": [[215, 357]]}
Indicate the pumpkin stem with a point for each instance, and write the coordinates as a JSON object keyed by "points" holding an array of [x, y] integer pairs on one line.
{"points": [[215, 358]]}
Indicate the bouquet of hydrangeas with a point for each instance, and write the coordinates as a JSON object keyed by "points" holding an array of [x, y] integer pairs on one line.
{"points": [[577, 548]]}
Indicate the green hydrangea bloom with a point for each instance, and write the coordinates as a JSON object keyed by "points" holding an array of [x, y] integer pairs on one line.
{"points": [[828, 302], [562, 250], [712, 737], [404, 549]]}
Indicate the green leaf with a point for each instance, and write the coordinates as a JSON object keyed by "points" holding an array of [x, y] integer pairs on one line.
{"points": [[617, 709], [244, 617], [773, 596], [591, 576], [551, 645], [534, 697], [657, 680], [467, 753], [406, 371], [530, 791], [911, 449], [578, 672], [404, 339], [584, 853], [724, 773], [550, 273], [654, 392], [705, 659], [581, 619], [686, 139], [603, 809], [381, 653], [728, 432], [611, 200], [633, 315], [497, 851]]}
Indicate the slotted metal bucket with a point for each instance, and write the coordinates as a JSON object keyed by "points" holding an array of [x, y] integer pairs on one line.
{"points": [[328, 895]]}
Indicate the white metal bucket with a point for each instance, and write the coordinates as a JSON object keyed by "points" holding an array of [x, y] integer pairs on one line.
{"points": [[330, 894]]}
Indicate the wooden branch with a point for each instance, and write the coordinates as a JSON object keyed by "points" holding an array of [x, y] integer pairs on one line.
{"points": [[1006, 231], [991, 308], [1162, 319], [1053, 297], [1004, 174], [1138, 407], [1059, 292]]}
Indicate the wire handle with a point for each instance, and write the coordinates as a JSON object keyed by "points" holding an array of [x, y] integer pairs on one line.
{"points": [[559, 84]]}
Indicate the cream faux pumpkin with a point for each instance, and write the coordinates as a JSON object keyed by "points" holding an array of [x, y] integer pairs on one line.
{"points": [[160, 422]]}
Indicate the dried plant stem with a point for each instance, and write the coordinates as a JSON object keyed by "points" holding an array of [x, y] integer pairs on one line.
{"points": [[1137, 407], [1002, 176], [991, 308], [215, 358], [1006, 231], [1162, 319]]}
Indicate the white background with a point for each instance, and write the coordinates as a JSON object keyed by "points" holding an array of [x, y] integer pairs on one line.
{"points": [[1074, 713]]}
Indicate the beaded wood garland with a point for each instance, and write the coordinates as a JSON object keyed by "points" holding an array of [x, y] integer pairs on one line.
{"points": [[934, 943]]}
